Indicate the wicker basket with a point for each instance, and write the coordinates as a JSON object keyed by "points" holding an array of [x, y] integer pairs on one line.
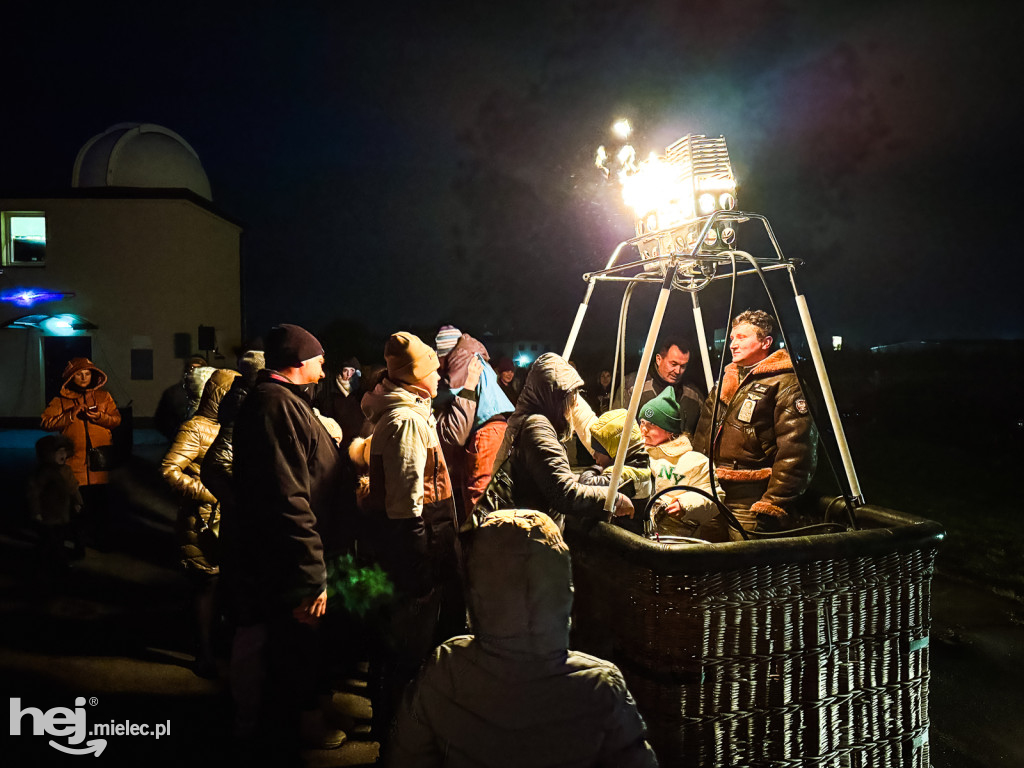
{"points": [[809, 651]]}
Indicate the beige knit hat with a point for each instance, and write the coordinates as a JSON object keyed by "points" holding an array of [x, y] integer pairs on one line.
{"points": [[409, 359]]}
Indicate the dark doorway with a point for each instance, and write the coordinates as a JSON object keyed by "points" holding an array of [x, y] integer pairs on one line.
{"points": [[57, 350]]}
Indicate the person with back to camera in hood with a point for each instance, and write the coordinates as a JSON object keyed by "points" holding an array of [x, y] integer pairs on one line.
{"points": [[460, 363], [85, 413], [512, 694], [539, 467]]}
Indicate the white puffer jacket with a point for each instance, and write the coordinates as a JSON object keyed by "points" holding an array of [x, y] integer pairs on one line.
{"points": [[676, 463]]}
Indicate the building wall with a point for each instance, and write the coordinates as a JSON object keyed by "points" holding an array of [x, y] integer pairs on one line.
{"points": [[142, 270], [21, 375]]}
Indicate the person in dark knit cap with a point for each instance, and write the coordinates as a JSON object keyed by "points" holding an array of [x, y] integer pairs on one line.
{"points": [[507, 379], [287, 476], [287, 346]]}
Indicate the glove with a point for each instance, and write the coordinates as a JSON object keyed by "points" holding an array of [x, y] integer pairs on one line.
{"points": [[591, 476]]}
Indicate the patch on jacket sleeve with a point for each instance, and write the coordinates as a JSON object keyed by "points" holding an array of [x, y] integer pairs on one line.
{"points": [[800, 405]]}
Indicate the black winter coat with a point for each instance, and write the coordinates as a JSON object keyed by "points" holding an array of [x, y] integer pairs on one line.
{"points": [[287, 475], [541, 476]]}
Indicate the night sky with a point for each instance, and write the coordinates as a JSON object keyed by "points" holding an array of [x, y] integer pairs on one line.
{"points": [[411, 164]]}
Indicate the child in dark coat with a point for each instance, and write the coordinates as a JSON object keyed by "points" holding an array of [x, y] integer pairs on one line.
{"points": [[54, 499]]}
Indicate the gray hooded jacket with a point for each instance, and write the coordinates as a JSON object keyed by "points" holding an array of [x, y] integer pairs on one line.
{"points": [[541, 476], [512, 694]]}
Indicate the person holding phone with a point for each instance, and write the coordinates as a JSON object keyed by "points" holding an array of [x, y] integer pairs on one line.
{"points": [[85, 413]]}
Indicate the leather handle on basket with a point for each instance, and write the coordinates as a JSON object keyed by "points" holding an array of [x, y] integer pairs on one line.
{"points": [[726, 512], [734, 523]]}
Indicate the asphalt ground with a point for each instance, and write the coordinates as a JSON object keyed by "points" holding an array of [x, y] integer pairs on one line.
{"points": [[117, 632]]}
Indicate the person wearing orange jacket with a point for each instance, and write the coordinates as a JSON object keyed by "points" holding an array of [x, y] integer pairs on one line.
{"points": [[85, 413]]}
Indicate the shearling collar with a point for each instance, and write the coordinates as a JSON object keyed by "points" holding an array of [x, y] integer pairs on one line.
{"points": [[777, 362]]}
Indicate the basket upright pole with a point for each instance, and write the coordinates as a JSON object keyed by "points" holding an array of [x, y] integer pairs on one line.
{"points": [[638, 385], [705, 356], [582, 309], [857, 497]]}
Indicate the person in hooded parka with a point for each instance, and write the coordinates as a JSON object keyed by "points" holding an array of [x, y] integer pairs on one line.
{"points": [[541, 476], [512, 694], [85, 413]]}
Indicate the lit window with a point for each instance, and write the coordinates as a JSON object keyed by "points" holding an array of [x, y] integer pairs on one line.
{"points": [[837, 343], [23, 238]]}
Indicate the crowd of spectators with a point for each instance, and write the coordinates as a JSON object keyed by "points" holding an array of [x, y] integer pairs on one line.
{"points": [[449, 473]]}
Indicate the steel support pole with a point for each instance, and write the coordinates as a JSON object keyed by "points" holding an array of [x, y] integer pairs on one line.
{"points": [[826, 391], [641, 376], [581, 311], [705, 356]]}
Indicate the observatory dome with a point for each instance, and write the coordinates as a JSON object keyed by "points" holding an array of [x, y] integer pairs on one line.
{"points": [[140, 155]]}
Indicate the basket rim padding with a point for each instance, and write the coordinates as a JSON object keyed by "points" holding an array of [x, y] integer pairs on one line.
{"points": [[886, 531]]}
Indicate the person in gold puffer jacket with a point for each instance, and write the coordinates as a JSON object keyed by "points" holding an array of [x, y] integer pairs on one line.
{"points": [[198, 514]]}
